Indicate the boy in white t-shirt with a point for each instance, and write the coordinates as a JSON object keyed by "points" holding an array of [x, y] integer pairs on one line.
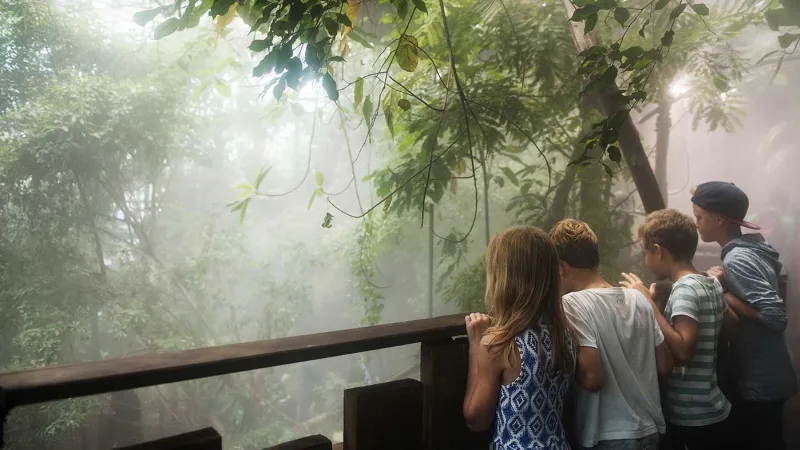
{"points": [[622, 350]]}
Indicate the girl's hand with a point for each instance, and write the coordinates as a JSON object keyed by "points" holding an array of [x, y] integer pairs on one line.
{"points": [[634, 282], [477, 324]]}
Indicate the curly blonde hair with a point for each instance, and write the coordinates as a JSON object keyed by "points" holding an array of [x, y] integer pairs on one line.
{"points": [[576, 243]]}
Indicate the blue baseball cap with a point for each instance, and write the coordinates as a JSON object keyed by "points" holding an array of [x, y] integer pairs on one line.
{"points": [[725, 199]]}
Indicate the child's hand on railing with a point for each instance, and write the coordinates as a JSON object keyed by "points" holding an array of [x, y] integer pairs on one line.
{"points": [[477, 324]]}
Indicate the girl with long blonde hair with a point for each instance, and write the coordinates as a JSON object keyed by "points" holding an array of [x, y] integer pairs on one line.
{"points": [[521, 355]]}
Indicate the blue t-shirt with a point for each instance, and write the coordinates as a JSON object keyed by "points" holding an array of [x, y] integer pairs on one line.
{"points": [[529, 409]]}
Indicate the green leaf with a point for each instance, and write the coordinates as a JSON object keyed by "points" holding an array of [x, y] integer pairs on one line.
{"points": [[614, 154], [312, 58], [677, 11], [606, 4], [407, 57], [785, 40], [296, 12], [316, 11], [779, 17], [243, 211], [608, 170], [388, 115], [402, 8], [582, 14], [510, 175], [344, 20], [641, 30], [661, 4], [260, 177], [387, 203], [357, 37], [329, 84], [142, 18], [320, 178], [326, 222], [259, 45], [366, 111], [336, 59], [318, 192], [166, 28], [621, 15], [266, 65], [222, 88], [700, 9], [633, 52], [420, 5], [201, 88], [220, 7], [666, 41], [404, 104], [359, 91], [721, 83], [330, 26], [590, 23]]}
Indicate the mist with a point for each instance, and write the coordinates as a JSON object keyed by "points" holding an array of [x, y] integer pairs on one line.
{"points": [[158, 197]]}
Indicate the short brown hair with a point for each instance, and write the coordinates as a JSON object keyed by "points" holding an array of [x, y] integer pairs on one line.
{"points": [[671, 230], [576, 244]]}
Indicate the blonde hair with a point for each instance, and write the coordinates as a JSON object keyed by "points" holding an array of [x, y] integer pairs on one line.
{"points": [[576, 243], [522, 286]]}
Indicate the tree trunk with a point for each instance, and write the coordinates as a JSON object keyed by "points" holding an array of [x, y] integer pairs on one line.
{"points": [[558, 209], [629, 141], [663, 127]]}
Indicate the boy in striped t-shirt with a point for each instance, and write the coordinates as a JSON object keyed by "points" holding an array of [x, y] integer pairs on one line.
{"points": [[695, 408]]}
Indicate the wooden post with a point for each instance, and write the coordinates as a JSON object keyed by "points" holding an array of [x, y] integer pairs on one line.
{"points": [[443, 371], [205, 439], [386, 416], [316, 442]]}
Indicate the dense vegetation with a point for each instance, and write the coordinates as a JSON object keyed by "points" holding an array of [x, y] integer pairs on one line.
{"points": [[117, 158]]}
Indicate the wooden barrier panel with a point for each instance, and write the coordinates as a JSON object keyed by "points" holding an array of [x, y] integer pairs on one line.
{"points": [[205, 439], [316, 442], [386, 416], [443, 371]]}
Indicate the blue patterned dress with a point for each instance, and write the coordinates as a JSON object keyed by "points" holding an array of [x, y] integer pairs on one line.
{"points": [[529, 409]]}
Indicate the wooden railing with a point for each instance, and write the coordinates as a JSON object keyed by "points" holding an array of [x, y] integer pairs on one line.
{"points": [[402, 414]]}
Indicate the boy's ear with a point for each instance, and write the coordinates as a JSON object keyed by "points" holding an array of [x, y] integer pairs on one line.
{"points": [[562, 267], [658, 251]]}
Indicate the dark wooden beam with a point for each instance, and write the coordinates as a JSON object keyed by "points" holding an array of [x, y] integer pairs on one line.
{"points": [[443, 372], [385, 416], [205, 439], [83, 379], [316, 442]]}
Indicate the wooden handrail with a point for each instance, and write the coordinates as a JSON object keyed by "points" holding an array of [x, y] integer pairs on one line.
{"points": [[98, 377]]}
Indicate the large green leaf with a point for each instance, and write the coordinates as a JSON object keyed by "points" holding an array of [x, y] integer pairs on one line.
{"points": [[142, 18], [359, 91], [329, 84], [166, 28], [407, 56]]}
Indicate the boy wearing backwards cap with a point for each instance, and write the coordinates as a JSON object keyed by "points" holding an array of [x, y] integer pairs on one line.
{"points": [[764, 373]]}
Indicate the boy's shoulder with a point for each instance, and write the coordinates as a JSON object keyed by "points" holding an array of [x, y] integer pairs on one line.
{"points": [[696, 286]]}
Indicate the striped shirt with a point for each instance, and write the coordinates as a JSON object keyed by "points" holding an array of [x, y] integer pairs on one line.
{"points": [[693, 396]]}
